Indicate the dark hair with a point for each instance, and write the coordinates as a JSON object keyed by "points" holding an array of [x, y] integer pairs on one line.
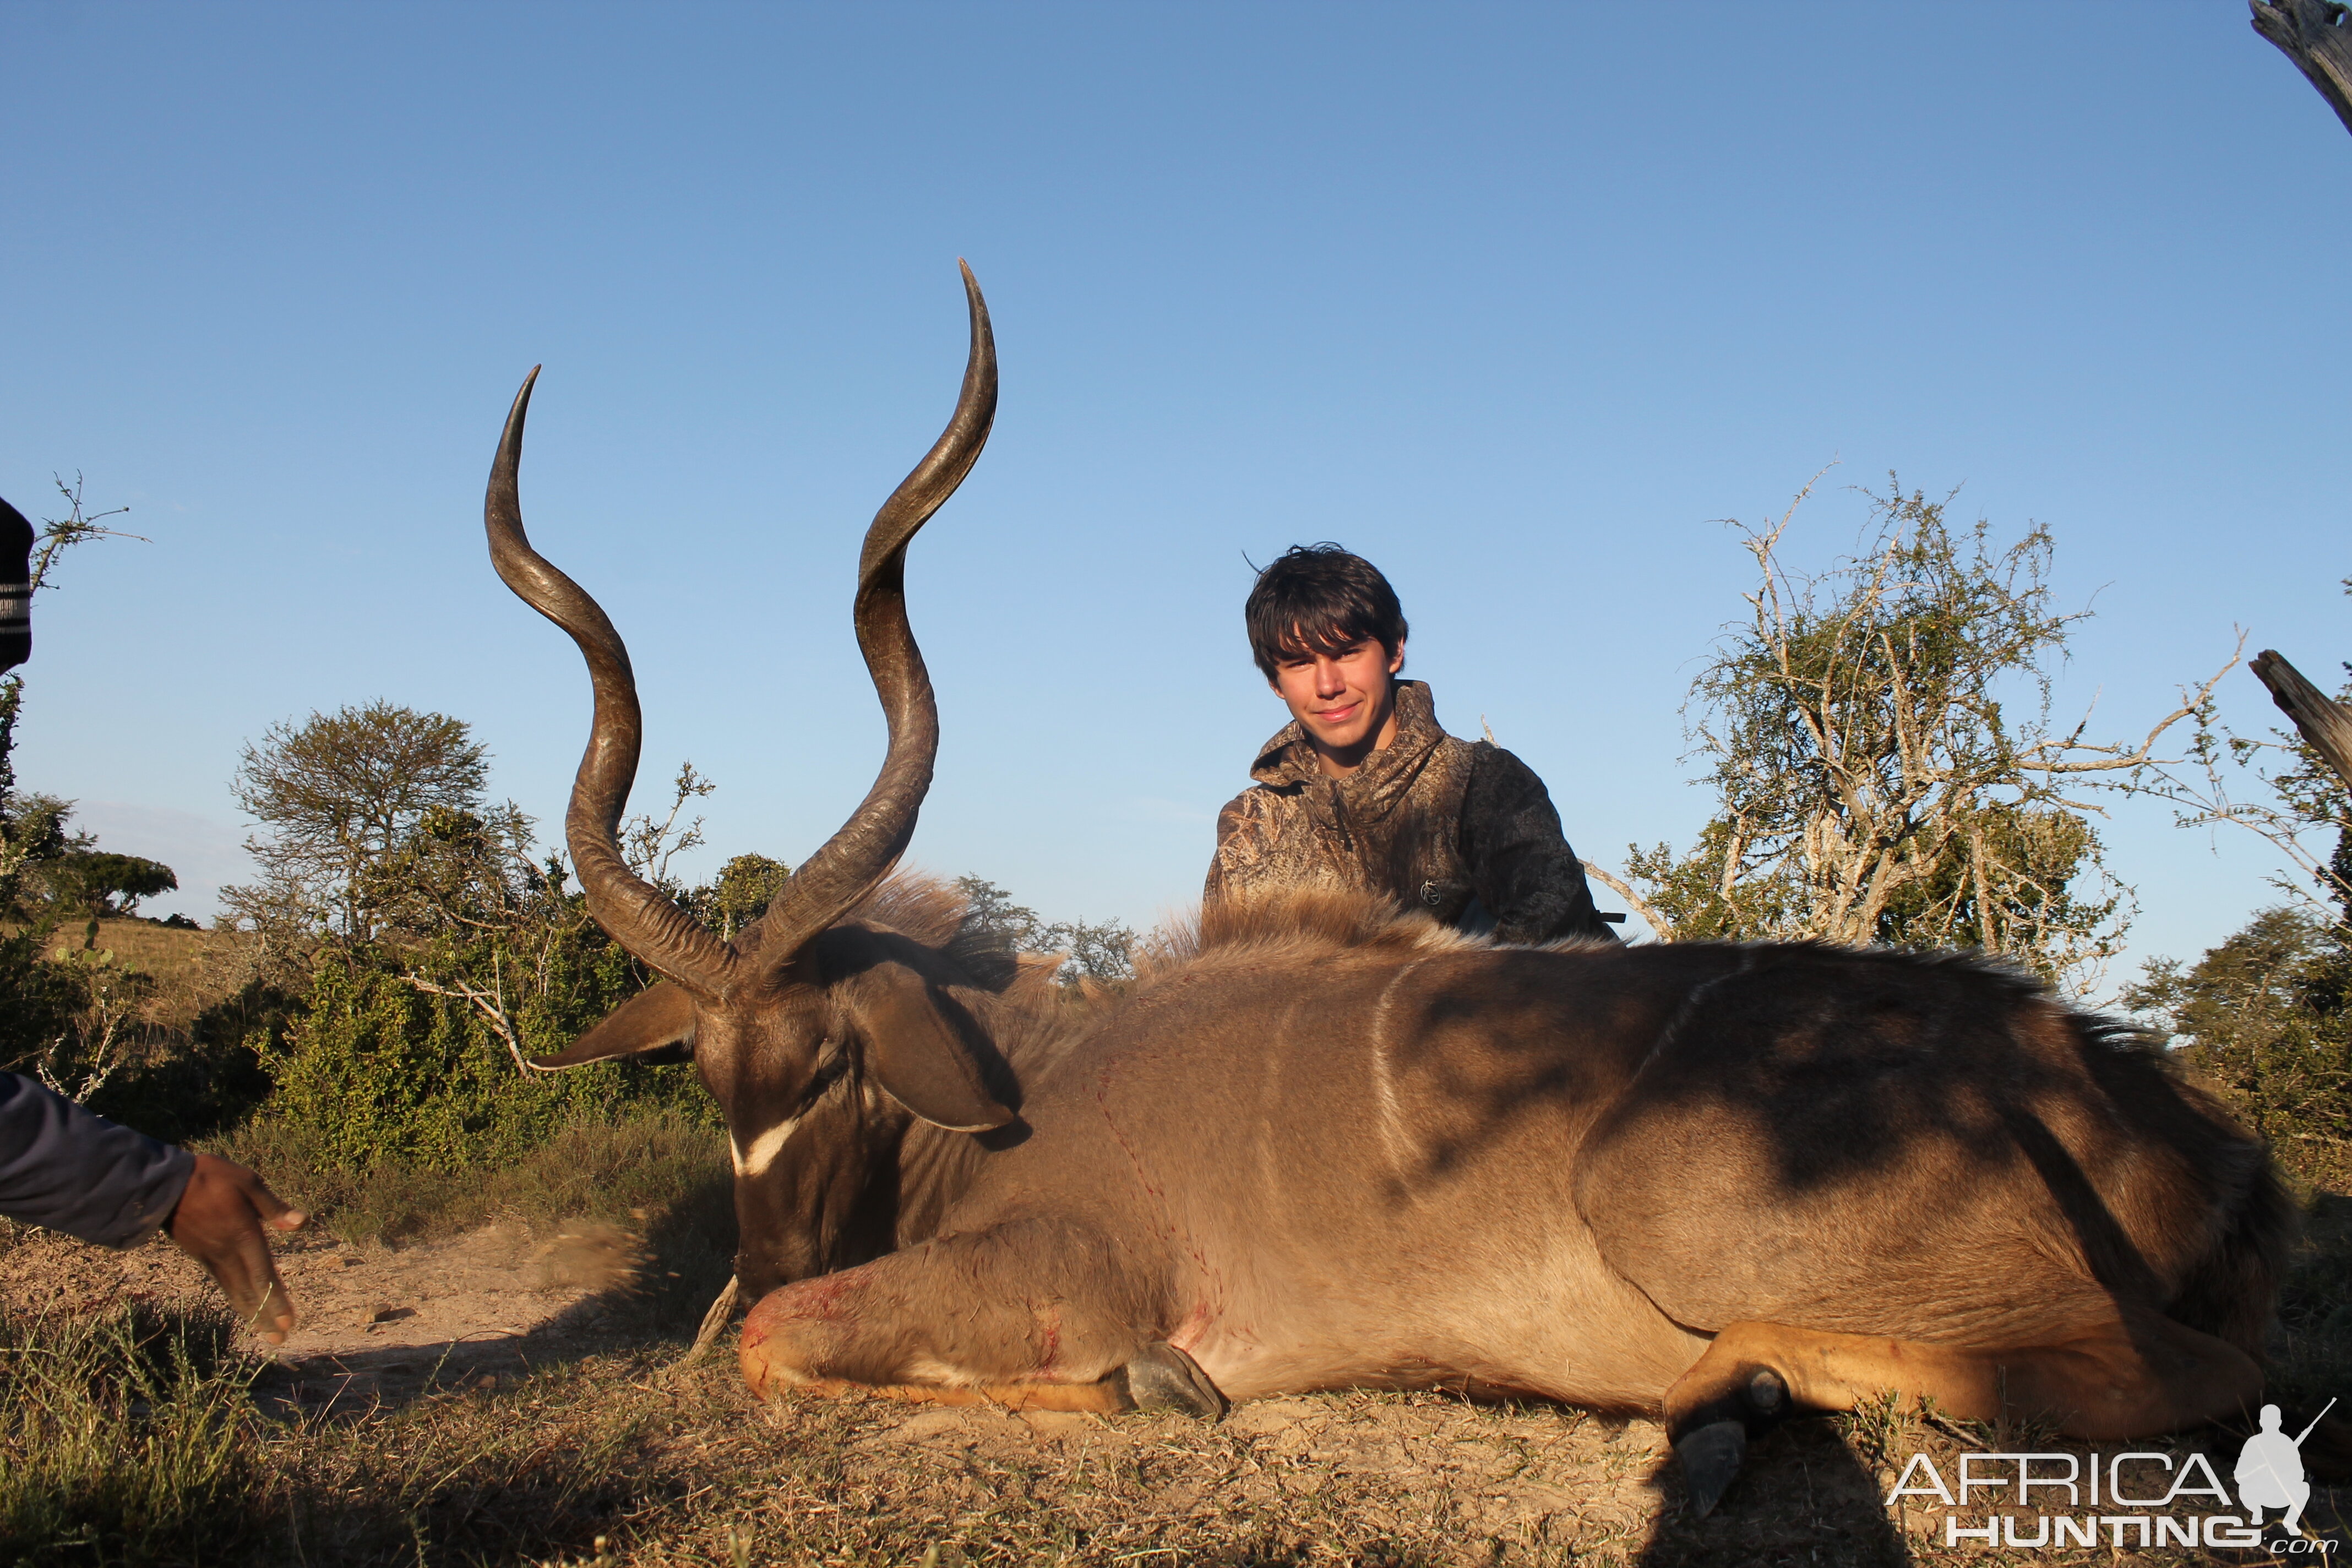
{"points": [[1317, 598]]}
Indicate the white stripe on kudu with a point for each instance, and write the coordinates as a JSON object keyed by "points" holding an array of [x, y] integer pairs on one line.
{"points": [[764, 1149]]}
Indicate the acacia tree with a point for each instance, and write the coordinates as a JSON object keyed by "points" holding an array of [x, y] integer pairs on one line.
{"points": [[1877, 737], [337, 795]]}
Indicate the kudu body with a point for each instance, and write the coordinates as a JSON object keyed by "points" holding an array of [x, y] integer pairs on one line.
{"points": [[1334, 1145]]}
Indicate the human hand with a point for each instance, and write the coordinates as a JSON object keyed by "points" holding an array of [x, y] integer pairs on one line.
{"points": [[218, 1222]]}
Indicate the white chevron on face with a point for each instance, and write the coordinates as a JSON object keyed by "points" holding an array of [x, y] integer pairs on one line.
{"points": [[752, 1159]]}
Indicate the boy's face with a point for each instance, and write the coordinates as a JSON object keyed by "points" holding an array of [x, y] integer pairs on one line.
{"points": [[1343, 701]]}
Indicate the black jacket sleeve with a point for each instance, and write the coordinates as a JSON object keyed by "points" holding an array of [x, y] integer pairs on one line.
{"points": [[1524, 871], [64, 1168]]}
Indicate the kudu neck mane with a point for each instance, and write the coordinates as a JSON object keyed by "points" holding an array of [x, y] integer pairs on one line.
{"points": [[1029, 1019], [1311, 924], [1308, 921], [1292, 924]]}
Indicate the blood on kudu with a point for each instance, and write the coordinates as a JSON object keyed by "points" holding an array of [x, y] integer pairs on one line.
{"points": [[1325, 1143]]}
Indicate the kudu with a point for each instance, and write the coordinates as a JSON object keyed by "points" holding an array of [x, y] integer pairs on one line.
{"points": [[1330, 1144]]}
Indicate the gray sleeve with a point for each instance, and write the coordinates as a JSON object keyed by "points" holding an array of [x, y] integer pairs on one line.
{"points": [[64, 1168]]}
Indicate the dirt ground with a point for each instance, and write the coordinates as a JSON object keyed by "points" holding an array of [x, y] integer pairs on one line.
{"points": [[377, 1324], [510, 1331]]}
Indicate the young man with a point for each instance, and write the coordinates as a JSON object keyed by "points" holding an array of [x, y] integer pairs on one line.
{"points": [[1363, 789]]}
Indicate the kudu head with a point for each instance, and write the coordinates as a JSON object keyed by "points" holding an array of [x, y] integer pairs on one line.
{"points": [[799, 1008]]}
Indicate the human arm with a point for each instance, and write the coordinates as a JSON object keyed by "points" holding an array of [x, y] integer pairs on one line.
{"points": [[1520, 864], [66, 1169]]}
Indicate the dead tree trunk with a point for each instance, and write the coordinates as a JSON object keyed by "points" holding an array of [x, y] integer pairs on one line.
{"points": [[2314, 34], [2326, 724]]}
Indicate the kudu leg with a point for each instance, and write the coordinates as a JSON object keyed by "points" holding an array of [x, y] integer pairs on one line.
{"points": [[972, 1320], [2133, 1376]]}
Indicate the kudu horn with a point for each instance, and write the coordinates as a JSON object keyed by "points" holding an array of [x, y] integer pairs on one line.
{"points": [[861, 854], [850, 863], [635, 913]]}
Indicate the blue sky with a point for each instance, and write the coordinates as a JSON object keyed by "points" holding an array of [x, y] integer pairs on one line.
{"points": [[1518, 301]]}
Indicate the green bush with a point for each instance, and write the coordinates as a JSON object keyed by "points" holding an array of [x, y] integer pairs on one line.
{"points": [[381, 1071], [409, 1049], [201, 1080], [2266, 1017], [38, 1001]]}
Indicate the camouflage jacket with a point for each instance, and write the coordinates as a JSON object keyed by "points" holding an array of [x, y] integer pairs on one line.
{"points": [[1463, 829]]}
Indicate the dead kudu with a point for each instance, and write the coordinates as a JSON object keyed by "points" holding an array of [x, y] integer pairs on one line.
{"points": [[1327, 1144]]}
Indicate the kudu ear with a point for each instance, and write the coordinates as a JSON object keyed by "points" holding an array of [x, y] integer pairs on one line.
{"points": [[658, 1018], [915, 1052]]}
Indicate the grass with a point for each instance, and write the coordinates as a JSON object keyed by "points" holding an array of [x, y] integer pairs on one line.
{"points": [[122, 1435], [622, 1457]]}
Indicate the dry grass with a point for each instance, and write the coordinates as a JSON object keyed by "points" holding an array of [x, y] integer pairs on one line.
{"points": [[622, 1457], [167, 952], [121, 1431]]}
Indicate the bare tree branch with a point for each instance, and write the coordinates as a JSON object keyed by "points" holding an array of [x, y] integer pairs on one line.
{"points": [[491, 1005], [59, 534], [1640, 905], [2059, 757], [649, 846]]}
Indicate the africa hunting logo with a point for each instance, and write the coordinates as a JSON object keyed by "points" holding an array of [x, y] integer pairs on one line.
{"points": [[2123, 1500]]}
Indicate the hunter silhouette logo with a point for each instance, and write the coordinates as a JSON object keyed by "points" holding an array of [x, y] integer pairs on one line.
{"points": [[2269, 1471], [2142, 1497]]}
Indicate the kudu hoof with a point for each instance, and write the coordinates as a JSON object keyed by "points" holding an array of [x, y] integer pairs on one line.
{"points": [[1712, 1439], [1162, 1377], [1711, 1456]]}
